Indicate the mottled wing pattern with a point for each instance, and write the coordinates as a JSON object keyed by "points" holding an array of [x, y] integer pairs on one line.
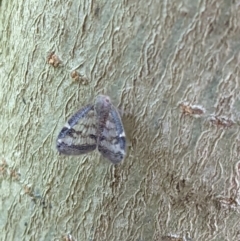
{"points": [[97, 125], [112, 140], [78, 136]]}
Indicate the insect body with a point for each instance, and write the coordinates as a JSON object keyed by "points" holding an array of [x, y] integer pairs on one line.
{"points": [[94, 126]]}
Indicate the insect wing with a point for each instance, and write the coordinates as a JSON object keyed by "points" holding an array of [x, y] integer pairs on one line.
{"points": [[78, 136], [112, 140]]}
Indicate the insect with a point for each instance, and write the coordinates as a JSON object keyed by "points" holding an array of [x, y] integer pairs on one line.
{"points": [[94, 126]]}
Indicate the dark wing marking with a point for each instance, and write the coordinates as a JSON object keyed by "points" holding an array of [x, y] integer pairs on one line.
{"points": [[78, 136], [112, 140]]}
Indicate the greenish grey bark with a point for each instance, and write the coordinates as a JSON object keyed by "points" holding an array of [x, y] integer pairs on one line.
{"points": [[156, 60]]}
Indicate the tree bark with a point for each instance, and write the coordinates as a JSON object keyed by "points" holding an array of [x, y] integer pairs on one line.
{"points": [[172, 68]]}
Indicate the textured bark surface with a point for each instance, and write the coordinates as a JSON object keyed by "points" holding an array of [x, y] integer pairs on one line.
{"points": [[172, 68]]}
